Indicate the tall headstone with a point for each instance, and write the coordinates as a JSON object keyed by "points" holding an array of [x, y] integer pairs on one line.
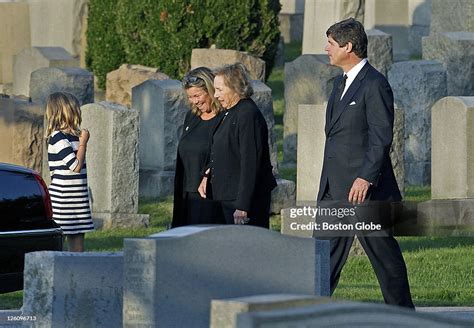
{"points": [[31, 59], [320, 14], [390, 17], [63, 289], [379, 50], [21, 132], [456, 51], [65, 23], [452, 16], [171, 277], [121, 81], [162, 106], [76, 81], [291, 18], [14, 36], [309, 79], [214, 58], [419, 20], [112, 164], [416, 86], [452, 142]]}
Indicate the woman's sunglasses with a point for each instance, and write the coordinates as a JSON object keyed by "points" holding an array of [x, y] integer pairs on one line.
{"points": [[188, 80]]}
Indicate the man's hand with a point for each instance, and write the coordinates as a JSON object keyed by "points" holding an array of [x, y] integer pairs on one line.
{"points": [[202, 187], [358, 191], [240, 217]]}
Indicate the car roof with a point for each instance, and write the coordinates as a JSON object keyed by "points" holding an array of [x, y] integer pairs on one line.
{"points": [[14, 168]]}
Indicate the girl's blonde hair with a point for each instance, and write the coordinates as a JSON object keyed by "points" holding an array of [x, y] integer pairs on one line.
{"points": [[63, 112]]}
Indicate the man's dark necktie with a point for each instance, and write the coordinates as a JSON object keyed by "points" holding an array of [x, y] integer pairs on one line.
{"points": [[337, 97]]}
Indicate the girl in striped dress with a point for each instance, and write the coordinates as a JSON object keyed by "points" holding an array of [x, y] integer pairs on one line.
{"points": [[67, 145]]}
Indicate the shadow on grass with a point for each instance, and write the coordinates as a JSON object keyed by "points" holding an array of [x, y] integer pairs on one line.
{"points": [[411, 244]]}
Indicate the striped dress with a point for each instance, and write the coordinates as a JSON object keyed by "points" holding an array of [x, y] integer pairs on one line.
{"points": [[68, 189]]}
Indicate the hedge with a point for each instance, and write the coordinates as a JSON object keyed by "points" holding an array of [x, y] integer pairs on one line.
{"points": [[162, 33]]}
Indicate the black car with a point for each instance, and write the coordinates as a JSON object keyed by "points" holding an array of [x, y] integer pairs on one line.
{"points": [[26, 223]]}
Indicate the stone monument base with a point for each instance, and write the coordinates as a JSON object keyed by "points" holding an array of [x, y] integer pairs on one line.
{"points": [[155, 183], [120, 220]]}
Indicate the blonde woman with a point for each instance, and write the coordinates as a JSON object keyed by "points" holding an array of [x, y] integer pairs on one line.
{"points": [[67, 145], [193, 152]]}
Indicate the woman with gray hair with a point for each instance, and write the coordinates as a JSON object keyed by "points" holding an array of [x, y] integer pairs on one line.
{"points": [[239, 165]]}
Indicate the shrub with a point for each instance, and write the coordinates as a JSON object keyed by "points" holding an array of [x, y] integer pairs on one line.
{"points": [[162, 34]]}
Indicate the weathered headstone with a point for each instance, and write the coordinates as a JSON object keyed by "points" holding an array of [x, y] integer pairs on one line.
{"points": [[76, 81], [66, 21], [417, 85], [452, 16], [121, 81], [390, 17], [309, 79], [112, 164], [14, 36], [456, 51], [283, 196], [419, 20], [21, 132], [214, 58], [225, 311], [379, 50], [291, 19], [452, 148], [320, 14], [171, 277], [162, 106], [346, 315], [63, 289], [31, 59]]}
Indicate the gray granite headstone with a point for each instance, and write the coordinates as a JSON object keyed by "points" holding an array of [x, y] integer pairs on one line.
{"points": [[452, 16], [65, 289], [346, 315], [456, 51], [31, 59], [76, 81], [416, 86], [171, 277], [162, 106], [379, 50], [112, 164], [308, 80]]}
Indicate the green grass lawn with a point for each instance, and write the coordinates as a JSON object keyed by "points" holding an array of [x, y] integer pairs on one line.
{"points": [[438, 268]]}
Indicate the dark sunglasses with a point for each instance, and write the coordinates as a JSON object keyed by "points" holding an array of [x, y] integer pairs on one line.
{"points": [[188, 80]]}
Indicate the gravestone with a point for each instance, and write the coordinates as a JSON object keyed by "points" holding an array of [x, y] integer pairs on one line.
{"points": [[214, 58], [63, 289], [14, 36], [452, 16], [456, 51], [416, 86], [66, 22], [319, 15], [121, 81], [379, 50], [308, 79], [419, 20], [392, 18], [283, 196], [21, 132], [162, 106], [346, 315], [450, 212], [76, 81], [31, 59], [291, 19], [225, 311], [112, 164], [171, 277]]}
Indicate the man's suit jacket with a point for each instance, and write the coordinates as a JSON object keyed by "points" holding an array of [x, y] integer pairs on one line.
{"points": [[358, 138]]}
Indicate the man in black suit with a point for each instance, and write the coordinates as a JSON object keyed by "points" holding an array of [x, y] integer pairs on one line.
{"points": [[357, 167]]}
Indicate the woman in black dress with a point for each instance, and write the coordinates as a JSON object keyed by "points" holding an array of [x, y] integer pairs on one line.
{"points": [[193, 152], [239, 167]]}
